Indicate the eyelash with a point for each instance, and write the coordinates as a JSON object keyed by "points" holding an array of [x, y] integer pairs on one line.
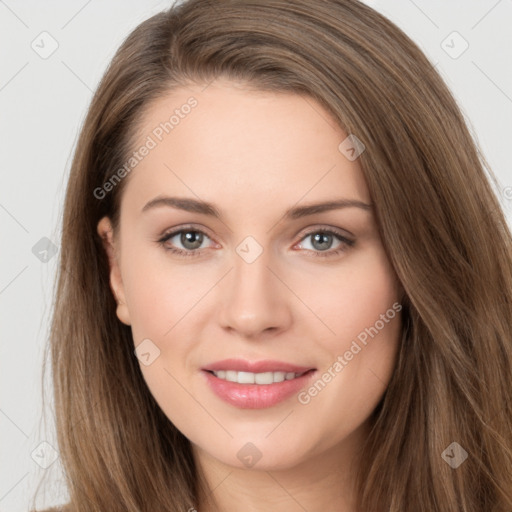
{"points": [[346, 243]]}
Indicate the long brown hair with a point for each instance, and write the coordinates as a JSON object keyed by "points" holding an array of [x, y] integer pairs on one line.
{"points": [[440, 222]]}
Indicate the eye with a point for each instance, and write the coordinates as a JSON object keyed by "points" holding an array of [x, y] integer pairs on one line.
{"points": [[191, 240], [323, 239]]}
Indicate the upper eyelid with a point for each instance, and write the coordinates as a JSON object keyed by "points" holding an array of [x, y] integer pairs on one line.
{"points": [[173, 232]]}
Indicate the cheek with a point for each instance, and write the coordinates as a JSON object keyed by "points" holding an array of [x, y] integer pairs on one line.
{"points": [[161, 297], [160, 294], [362, 309], [356, 296], [368, 333]]}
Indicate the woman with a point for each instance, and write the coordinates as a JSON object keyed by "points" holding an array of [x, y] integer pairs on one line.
{"points": [[285, 280]]}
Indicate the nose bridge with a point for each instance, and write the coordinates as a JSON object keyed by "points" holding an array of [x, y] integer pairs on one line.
{"points": [[254, 299], [251, 273]]}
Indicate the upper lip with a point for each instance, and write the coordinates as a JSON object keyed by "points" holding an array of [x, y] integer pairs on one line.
{"points": [[242, 365]]}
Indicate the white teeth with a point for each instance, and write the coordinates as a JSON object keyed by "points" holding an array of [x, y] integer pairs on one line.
{"points": [[255, 378], [245, 378], [231, 376]]}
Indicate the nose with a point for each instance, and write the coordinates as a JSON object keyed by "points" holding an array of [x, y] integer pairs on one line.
{"points": [[254, 300]]}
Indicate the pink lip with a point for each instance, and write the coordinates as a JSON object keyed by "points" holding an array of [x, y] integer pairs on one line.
{"points": [[241, 365], [256, 396]]}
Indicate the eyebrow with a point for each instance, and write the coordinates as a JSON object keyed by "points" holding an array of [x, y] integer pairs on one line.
{"points": [[206, 208]]}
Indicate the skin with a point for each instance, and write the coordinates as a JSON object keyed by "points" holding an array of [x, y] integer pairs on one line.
{"points": [[254, 155]]}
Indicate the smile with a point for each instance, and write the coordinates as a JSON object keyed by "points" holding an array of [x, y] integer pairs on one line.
{"points": [[248, 390]]}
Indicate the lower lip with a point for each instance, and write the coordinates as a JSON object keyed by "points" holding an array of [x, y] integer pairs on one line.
{"points": [[256, 396]]}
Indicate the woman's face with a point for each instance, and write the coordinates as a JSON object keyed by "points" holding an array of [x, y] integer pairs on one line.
{"points": [[264, 287]]}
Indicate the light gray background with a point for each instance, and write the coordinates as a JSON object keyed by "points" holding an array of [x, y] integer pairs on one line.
{"points": [[43, 103]]}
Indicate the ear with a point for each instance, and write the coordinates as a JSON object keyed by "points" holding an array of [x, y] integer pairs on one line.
{"points": [[106, 234]]}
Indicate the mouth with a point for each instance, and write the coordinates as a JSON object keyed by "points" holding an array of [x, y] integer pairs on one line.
{"points": [[256, 385]]}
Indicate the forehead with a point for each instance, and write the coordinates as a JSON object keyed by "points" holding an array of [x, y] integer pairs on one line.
{"points": [[228, 143]]}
